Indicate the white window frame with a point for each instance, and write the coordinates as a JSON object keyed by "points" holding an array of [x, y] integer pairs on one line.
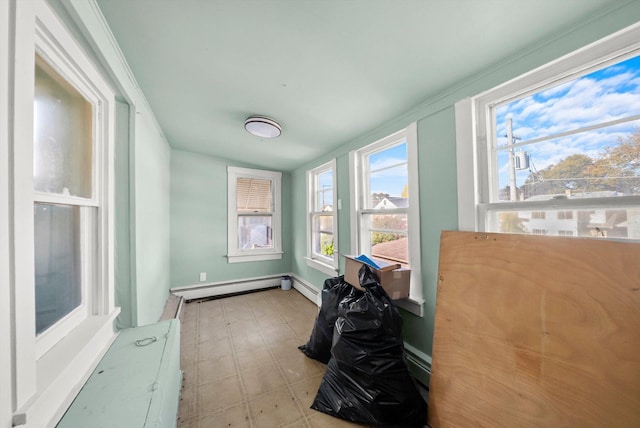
{"points": [[6, 330], [475, 133], [234, 253], [88, 222], [358, 187], [49, 370], [327, 265]]}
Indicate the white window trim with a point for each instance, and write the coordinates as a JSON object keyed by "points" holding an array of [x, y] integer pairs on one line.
{"points": [[6, 329], [49, 51], [474, 125], [324, 265], [235, 254], [46, 379], [415, 302]]}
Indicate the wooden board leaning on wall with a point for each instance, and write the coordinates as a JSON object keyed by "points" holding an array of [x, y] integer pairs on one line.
{"points": [[534, 331]]}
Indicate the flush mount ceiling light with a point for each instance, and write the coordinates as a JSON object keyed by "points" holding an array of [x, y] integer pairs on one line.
{"points": [[262, 127]]}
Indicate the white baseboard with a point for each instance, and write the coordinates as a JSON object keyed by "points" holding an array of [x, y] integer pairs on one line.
{"points": [[307, 289], [200, 291]]}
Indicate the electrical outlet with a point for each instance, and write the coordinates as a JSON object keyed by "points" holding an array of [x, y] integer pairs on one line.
{"points": [[203, 276]]}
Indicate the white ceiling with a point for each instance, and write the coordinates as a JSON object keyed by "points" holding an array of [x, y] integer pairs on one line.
{"points": [[328, 71]]}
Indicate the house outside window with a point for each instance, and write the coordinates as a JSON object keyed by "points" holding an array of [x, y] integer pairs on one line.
{"points": [[254, 231], [558, 149], [385, 221], [322, 221]]}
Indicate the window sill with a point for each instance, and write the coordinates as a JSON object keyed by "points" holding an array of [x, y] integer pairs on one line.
{"points": [[414, 306], [241, 258], [322, 267], [62, 371]]}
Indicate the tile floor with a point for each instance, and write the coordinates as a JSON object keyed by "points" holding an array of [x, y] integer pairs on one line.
{"points": [[242, 366]]}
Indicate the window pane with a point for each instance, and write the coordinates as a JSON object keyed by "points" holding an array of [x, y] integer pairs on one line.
{"points": [[254, 232], [586, 138], [610, 223], [600, 163], [388, 178], [324, 192], [393, 247], [602, 96], [57, 263], [63, 142], [388, 236], [253, 195], [323, 243]]}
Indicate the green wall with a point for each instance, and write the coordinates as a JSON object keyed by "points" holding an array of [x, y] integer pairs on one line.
{"points": [[152, 218], [199, 223], [437, 160], [142, 262], [122, 253], [177, 200]]}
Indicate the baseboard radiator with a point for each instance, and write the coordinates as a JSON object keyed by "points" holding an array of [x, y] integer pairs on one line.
{"points": [[223, 288]]}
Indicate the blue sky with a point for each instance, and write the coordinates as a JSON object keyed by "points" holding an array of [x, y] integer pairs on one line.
{"points": [[389, 180], [608, 94], [325, 189]]}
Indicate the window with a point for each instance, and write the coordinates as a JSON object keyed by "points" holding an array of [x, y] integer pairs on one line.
{"points": [[557, 147], [66, 205], [385, 222], [322, 222], [254, 215], [62, 215], [565, 215]]}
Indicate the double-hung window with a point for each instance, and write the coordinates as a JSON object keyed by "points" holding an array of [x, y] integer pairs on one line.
{"points": [[557, 151], [66, 203], [385, 223], [62, 201], [322, 221], [254, 231]]}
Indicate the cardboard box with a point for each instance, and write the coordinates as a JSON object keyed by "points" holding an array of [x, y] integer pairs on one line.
{"points": [[393, 278]]}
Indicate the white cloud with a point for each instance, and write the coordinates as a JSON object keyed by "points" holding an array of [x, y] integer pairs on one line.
{"points": [[607, 95], [385, 167]]}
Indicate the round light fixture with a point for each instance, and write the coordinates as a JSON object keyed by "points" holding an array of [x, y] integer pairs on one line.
{"points": [[262, 127]]}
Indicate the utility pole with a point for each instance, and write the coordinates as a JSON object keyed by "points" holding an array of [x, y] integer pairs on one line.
{"points": [[513, 195]]}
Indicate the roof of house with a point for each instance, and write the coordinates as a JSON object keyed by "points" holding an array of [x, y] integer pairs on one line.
{"points": [[395, 201], [395, 251]]}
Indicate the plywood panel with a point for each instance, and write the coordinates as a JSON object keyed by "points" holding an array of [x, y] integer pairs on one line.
{"points": [[535, 331]]}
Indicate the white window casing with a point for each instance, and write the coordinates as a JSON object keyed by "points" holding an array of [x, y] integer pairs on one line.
{"points": [[476, 141], [6, 330], [236, 254], [325, 264], [50, 369], [359, 191]]}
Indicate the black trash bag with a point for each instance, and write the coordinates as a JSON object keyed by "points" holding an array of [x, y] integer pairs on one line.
{"points": [[368, 278], [319, 345], [367, 379]]}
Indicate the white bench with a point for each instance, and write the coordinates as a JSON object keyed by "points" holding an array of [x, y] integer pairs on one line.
{"points": [[136, 384]]}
